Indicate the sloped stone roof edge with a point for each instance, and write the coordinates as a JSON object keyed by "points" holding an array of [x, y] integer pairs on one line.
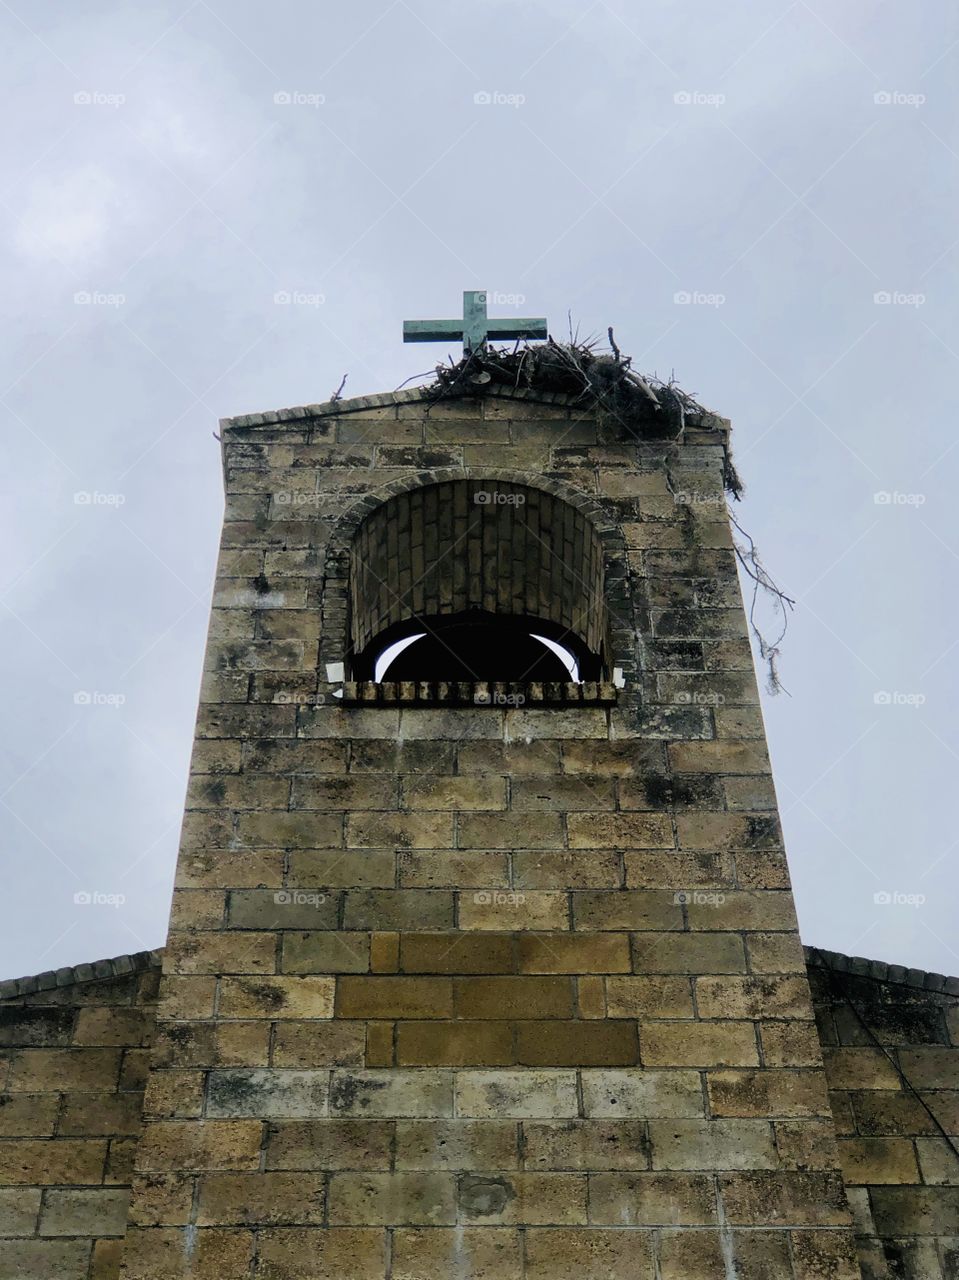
{"points": [[71, 975], [880, 971], [387, 399]]}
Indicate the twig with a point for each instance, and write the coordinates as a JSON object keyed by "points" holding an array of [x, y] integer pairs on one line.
{"points": [[413, 377], [339, 390], [749, 558]]}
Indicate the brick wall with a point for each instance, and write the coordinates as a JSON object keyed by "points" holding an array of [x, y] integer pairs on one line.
{"points": [[891, 1042], [891, 1060], [481, 992], [73, 1061]]}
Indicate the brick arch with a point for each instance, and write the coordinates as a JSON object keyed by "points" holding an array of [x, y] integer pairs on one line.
{"points": [[602, 568]]}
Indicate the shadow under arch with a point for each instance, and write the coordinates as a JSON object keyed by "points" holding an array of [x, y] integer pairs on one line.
{"points": [[478, 561]]}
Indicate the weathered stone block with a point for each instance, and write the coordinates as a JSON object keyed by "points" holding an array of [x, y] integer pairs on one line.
{"points": [[392, 1093], [513, 997], [641, 1094], [41, 1259], [329, 1144], [389, 909], [699, 1044], [448, 869], [261, 1199], [767, 1093], [277, 997], [712, 1144], [771, 996], [598, 1254], [567, 869], [496, 1094], [651, 1199], [456, 953], [786, 1198], [649, 997], [482, 1253], [510, 831], [589, 1145], [296, 1253], [464, 1145], [627, 909], [19, 1211], [333, 951], [520, 910], [175, 1146], [619, 831], [577, 1044], [30, 1116], [877, 1161], [268, 1093], [394, 997], [390, 1199], [93, 1211], [269, 909], [427, 792], [690, 953]]}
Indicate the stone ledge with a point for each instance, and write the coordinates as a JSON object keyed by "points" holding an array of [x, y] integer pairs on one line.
{"points": [[391, 399], [443, 693], [387, 399], [880, 971], [70, 975]]}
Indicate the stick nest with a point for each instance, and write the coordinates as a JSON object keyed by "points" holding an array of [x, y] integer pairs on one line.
{"points": [[598, 380]]}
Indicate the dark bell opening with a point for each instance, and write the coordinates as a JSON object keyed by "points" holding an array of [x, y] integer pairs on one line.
{"points": [[476, 646]]}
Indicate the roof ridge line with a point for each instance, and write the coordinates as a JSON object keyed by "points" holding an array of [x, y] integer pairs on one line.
{"points": [[881, 971], [70, 975], [384, 399]]}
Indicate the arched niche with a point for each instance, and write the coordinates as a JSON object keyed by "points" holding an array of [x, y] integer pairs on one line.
{"points": [[496, 580]]}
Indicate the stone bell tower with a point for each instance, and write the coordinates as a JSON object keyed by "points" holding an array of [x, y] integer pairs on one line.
{"points": [[483, 961]]}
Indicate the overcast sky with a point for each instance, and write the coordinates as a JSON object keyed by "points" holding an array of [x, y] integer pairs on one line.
{"points": [[171, 167]]}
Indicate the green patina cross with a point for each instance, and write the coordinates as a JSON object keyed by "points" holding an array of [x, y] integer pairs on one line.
{"points": [[474, 328]]}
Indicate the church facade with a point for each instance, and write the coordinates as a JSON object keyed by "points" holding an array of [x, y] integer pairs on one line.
{"points": [[483, 960]]}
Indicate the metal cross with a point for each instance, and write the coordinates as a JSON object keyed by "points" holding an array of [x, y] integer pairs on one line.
{"points": [[474, 328]]}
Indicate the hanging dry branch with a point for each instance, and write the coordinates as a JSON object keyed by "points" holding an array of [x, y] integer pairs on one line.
{"points": [[769, 651]]}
